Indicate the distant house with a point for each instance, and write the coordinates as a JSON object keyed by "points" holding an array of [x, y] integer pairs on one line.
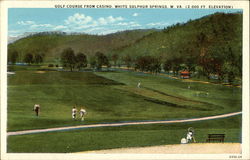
{"points": [[185, 74]]}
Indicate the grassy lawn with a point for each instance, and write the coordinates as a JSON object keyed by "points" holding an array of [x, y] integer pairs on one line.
{"points": [[110, 97], [126, 136], [210, 97], [113, 97]]}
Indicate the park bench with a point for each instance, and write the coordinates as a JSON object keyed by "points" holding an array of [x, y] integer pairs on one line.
{"points": [[216, 137]]}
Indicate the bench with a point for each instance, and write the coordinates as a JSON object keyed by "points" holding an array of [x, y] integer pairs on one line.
{"points": [[216, 137]]}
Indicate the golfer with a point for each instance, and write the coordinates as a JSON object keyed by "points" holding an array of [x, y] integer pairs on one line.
{"points": [[139, 84], [189, 136], [74, 111], [36, 109], [82, 113]]}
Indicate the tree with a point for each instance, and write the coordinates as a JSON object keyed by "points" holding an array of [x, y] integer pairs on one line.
{"points": [[148, 63], [68, 58], [167, 65], [128, 60], [101, 60], [38, 58], [12, 56], [115, 58], [28, 58], [81, 61], [212, 61], [230, 71], [176, 64], [155, 65], [92, 62], [231, 65], [106, 62]]}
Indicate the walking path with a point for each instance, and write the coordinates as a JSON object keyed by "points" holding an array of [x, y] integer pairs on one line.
{"points": [[120, 124]]}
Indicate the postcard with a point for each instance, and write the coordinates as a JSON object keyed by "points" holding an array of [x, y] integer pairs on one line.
{"points": [[124, 79]]}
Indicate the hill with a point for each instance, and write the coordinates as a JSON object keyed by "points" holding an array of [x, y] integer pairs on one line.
{"points": [[188, 38], [51, 44], [209, 45], [185, 39]]}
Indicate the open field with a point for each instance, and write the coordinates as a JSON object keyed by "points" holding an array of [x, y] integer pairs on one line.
{"points": [[114, 97]]}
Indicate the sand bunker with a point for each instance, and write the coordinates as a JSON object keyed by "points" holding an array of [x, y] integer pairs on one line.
{"points": [[40, 72], [192, 148]]}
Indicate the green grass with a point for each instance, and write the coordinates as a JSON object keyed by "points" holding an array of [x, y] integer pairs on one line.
{"points": [[220, 99], [109, 97], [113, 97], [119, 137]]}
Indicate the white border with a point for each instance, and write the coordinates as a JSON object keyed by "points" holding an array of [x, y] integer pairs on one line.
{"points": [[4, 5]]}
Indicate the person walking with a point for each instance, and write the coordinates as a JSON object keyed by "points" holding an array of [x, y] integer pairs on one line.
{"points": [[139, 84], [36, 109], [74, 111], [82, 113]]}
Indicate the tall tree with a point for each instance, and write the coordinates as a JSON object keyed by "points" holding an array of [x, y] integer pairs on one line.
{"points": [[155, 65], [115, 58], [92, 62], [12, 56], [148, 63], [28, 58], [81, 61], [167, 65], [128, 60], [101, 60], [68, 58], [38, 58]]}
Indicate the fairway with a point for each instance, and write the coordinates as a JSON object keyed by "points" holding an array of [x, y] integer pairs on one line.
{"points": [[114, 97], [110, 97]]}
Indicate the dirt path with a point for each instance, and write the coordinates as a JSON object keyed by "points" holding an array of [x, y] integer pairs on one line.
{"points": [[120, 124], [192, 148]]}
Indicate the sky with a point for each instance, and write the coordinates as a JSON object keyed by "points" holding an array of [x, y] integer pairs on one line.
{"points": [[98, 21]]}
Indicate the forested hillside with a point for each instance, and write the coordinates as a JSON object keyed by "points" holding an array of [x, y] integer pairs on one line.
{"points": [[211, 45], [50, 44]]}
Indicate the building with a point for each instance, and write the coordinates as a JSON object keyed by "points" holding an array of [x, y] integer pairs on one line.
{"points": [[185, 74]]}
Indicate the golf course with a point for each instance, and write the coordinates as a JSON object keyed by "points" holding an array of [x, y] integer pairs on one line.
{"points": [[111, 97]]}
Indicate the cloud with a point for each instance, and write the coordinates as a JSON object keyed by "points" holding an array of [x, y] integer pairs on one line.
{"points": [[26, 23], [41, 26], [34, 25], [134, 24], [158, 24], [78, 19], [59, 27], [79, 22], [82, 23], [135, 14], [131, 24], [109, 20]]}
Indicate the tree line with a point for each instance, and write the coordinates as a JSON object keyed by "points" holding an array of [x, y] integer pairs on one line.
{"points": [[37, 58], [216, 60]]}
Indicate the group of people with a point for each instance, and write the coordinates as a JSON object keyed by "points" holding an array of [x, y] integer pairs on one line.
{"points": [[82, 112]]}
